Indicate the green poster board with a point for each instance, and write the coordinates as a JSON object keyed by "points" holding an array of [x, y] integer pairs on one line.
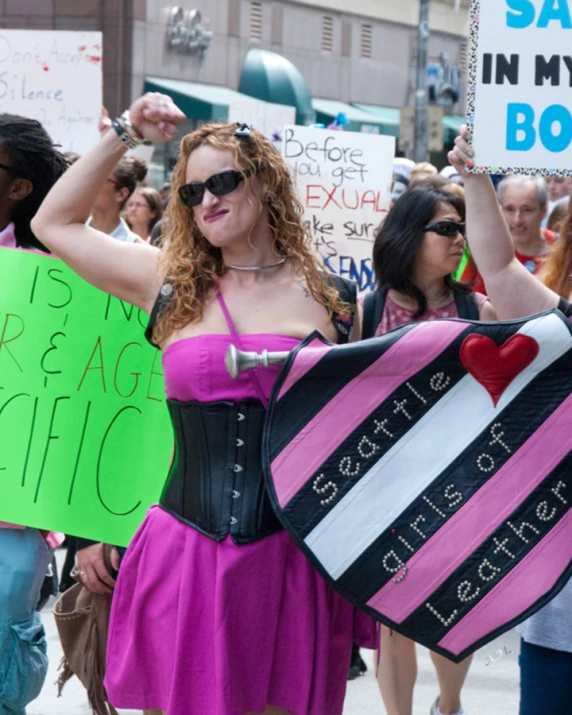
{"points": [[85, 436], [461, 269]]}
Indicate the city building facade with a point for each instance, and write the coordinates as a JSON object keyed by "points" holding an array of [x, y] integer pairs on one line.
{"points": [[356, 56], [361, 51]]}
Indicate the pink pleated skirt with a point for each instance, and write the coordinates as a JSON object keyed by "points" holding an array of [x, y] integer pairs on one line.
{"points": [[206, 628]]}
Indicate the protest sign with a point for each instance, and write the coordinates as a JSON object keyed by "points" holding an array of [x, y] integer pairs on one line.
{"points": [[85, 436], [267, 117], [344, 183], [56, 78], [520, 86]]}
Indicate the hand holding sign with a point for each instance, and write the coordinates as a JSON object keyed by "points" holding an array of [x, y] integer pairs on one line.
{"points": [[462, 155]]}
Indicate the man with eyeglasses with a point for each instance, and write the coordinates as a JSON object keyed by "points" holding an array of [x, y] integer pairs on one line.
{"points": [[524, 203]]}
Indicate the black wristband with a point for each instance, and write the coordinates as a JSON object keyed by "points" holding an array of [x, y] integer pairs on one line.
{"points": [[123, 134]]}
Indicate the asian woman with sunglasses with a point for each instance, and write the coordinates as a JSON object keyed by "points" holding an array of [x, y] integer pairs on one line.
{"points": [[417, 249], [215, 609]]}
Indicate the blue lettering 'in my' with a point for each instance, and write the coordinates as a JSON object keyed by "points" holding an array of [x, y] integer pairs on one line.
{"points": [[520, 117], [556, 114], [557, 10], [523, 14]]}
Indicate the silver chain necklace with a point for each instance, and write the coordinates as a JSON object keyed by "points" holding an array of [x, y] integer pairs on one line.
{"points": [[256, 268]]}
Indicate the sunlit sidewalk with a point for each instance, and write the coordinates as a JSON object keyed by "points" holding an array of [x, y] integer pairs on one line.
{"points": [[490, 689]]}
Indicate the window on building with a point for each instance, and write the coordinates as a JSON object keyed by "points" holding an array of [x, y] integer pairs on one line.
{"points": [[256, 21], [366, 41], [327, 34], [346, 38], [234, 18], [277, 24]]}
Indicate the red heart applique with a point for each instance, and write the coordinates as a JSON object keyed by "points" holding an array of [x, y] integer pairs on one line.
{"points": [[496, 367]]}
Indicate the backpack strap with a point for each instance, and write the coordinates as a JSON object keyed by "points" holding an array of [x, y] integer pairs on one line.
{"points": [[163, 299], [347, 290], [565, 307], [467, 305], [373, 307]]}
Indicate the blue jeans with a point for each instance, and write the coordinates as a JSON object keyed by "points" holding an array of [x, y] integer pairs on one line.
{"points": [[545, 680], [24, 558]]}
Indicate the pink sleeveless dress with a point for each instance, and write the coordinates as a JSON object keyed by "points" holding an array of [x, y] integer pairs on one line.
{"points": [[206, 628]]}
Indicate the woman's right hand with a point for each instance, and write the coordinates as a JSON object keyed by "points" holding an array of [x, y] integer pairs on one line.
{"points": [[92, 571], [155, 116]]}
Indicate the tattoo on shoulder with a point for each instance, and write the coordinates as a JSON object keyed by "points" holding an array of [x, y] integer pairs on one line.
{"points": [[305, 289]]}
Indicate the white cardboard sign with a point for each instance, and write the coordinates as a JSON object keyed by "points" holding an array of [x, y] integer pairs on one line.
{"points": [[344, 183], [56, 78], [267, 117], [520, 86]]}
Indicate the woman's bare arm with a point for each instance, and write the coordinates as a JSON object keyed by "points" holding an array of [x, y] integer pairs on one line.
{"points": [[127, 271], [487, 312], [513, 290]]}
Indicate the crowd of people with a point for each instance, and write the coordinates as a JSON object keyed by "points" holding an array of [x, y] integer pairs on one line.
{"points": [[215, 610]]}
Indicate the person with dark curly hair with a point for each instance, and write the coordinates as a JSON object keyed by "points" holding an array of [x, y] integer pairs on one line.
{"points": [[29, 166]]}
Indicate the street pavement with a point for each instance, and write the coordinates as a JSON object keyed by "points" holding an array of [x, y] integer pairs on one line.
{"points": [[491, 687]]}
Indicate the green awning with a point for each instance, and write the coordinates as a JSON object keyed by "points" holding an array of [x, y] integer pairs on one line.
{"points": [[272, 78], [451, 124], [359, 121], [388, 115], [197, 101]]}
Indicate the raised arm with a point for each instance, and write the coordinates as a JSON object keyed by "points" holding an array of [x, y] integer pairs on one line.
{"points": [[126, 270], [513, 290]]}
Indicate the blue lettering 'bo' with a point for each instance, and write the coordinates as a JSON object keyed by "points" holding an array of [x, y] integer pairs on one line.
{"points": [[522, 13], [521, 133]]}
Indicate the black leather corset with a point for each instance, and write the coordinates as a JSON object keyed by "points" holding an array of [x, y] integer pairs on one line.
{"points": [[216, 483]]}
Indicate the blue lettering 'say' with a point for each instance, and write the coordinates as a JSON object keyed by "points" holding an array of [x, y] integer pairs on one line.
{"points": [[522, 14]]}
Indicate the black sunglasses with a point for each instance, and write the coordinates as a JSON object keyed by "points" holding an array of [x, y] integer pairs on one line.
{"points": [[219, 184], [7, 168], [446, 228]]}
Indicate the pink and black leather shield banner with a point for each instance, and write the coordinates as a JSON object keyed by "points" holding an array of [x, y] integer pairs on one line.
{"points": [[428, 473]]}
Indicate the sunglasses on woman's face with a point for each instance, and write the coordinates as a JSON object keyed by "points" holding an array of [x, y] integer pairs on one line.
{"points": [[446, 228], [219, 185]]}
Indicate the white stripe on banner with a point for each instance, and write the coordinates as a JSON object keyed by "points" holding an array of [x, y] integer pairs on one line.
{"points": [[409, 467]]}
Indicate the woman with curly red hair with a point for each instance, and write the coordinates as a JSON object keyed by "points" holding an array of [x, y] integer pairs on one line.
{"points": [[216, 610]]}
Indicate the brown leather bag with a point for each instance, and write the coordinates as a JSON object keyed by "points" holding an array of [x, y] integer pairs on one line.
{"points": [[82, 620]]}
